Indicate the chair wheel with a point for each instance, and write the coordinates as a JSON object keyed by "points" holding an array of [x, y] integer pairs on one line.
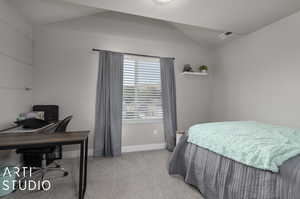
{"points": [[66, 173]]}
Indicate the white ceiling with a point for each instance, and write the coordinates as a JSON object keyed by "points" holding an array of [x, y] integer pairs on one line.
{"points": [[200, 20], [203, 35], [48, 11], [41, 12], [239, 16], [130, 26]]}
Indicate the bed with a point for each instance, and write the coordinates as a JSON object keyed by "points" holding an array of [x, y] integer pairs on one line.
{"points": [[220, 177]]}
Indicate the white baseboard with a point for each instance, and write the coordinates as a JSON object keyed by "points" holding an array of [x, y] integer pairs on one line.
{"points": [[125, 149], [145, 147]]}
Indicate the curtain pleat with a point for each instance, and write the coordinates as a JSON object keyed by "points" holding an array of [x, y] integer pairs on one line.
{"points": [[169, 101], [108, 119]]}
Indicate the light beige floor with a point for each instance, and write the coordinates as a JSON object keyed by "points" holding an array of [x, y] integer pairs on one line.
{"points": [[141, 175]]}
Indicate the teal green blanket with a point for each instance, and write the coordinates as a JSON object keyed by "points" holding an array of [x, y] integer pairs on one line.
{"points": [[255, 144]]}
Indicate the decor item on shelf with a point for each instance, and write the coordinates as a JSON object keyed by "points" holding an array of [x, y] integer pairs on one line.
{"points": [[203, 69], [187, 68]]}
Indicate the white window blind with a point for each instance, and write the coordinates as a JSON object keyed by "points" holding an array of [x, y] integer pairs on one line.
{"points": [[141, 88]]}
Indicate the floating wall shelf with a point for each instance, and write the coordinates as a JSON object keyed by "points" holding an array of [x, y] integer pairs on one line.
{"points": [[194, 73]]}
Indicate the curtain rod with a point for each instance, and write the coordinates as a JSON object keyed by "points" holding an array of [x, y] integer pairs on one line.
{"points": [[95, 49]]}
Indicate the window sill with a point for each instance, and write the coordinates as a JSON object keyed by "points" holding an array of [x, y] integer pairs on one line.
{"points": [[153, 121]]}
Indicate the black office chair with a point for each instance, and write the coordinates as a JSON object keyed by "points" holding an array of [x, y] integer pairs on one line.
{"points": [[51, 112], [45, 156], [62, 125], [57, 154]]}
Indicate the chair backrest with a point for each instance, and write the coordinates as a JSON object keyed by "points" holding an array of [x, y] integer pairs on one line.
{"points": [[62, 125], [50, 129], [50, 112]]}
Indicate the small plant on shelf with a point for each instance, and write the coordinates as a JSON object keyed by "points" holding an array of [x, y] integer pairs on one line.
{"points": [[203, 69]]}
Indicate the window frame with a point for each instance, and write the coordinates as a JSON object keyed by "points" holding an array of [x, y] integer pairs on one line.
{"points": [[137, 120]]}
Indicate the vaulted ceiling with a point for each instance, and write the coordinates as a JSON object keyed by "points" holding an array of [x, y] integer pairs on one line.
{"points": [[239, 16], [200, 20]]}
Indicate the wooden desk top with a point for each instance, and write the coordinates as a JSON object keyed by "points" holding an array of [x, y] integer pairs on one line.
{"points": [[18, 140]]}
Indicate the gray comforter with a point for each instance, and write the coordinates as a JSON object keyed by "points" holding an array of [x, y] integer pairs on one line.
{"points": [[218, 177]]}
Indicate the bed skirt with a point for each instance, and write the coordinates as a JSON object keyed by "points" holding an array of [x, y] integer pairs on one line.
{"points": [[218, 177]]}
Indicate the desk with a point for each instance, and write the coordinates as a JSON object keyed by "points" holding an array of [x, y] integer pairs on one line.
{"points": [[23, 140]]}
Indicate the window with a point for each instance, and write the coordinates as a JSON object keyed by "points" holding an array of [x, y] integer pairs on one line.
{"points": [[141, 89]]}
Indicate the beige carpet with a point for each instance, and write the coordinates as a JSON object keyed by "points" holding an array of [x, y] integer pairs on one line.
{"points": [[141, 175]]}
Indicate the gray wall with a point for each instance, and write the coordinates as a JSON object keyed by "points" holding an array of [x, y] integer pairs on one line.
{"points": [[257, 77], [15, 65], [66, 68]]}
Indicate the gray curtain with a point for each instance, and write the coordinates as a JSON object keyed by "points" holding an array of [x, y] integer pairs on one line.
{"points": [[169, 101], [108, 122]]}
